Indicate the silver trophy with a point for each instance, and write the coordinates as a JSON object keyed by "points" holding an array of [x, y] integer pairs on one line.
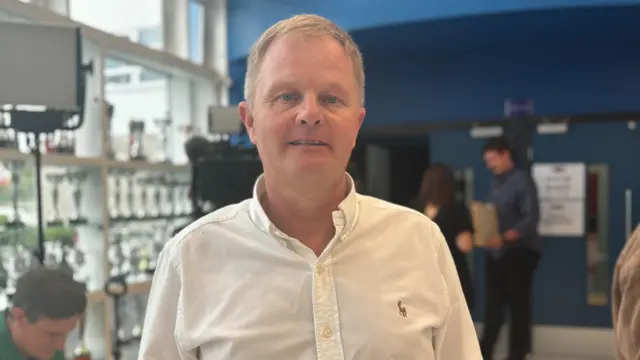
{"points": [[114, 196], [128, 211], [54, 218], [76, 180], [143, 209], [115, 254], [77, 261], [136, 139], [15, 168], [165, 126], [156, 190]]}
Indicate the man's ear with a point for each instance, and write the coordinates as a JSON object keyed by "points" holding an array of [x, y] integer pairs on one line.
{"points": [[18, 315], [361, 115], [247, 119]]}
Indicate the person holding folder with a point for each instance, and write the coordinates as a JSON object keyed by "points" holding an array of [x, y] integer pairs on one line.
{"points": [[513, 254]]}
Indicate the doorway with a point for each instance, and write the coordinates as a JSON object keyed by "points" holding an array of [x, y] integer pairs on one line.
{"points": [[392, 167]]}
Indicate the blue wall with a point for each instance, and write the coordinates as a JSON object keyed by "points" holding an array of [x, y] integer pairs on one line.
{"points": [[247, 19], [412, 80]]}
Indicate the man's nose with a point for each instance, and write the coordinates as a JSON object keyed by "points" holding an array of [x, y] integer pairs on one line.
{"points": [[309, 114]]}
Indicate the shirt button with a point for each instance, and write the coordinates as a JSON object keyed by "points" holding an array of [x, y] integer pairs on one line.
{"points": [[320, 270], [327, 332]]}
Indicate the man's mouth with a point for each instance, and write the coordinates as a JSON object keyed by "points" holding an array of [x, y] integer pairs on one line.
{"points": [[308, 143]]}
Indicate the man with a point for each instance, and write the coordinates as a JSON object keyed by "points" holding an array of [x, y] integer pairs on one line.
{"points": [[46, 306], [514, 255], [626, 300], [307, 268]]}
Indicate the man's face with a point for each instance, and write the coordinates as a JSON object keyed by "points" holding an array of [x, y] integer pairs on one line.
{"points": [[43, 338], [306, 111], [498, 162]]}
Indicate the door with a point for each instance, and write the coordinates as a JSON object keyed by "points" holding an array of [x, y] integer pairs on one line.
{"points": [[408, 163], [564, 278]]}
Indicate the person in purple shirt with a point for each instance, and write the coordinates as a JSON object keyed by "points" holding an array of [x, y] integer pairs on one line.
{"points": [[513, 256]]}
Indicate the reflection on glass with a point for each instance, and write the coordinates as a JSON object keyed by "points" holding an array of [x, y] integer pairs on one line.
{"points": [[140, 20], [137, 108], [597, 235]]}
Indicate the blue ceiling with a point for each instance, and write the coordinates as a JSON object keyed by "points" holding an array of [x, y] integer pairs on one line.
{"points": [[544, 29], [436, 21]]}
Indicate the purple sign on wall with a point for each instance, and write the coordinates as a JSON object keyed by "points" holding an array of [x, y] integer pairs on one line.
{"points": [[518, 108]]}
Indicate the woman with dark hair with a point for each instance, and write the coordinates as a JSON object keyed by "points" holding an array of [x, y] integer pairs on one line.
{"points": [[437, 200]]}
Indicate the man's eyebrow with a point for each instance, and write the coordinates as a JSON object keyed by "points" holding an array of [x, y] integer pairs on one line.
{"points": [[337, 87], [278, 87]]}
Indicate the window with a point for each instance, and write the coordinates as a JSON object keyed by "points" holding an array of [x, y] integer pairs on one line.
{"points": [[139, 20], [137, 100], [196, 31], [150, 75], [112, 63], [151, 37], [118, 79]]}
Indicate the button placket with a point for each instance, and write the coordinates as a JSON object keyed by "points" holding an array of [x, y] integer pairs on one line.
{"points": [[325, 312]]}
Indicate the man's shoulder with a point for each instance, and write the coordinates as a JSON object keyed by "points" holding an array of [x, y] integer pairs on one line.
{"points": [[386, 207], [521, 175], [410, 231], [377, 211], [210, 224]]}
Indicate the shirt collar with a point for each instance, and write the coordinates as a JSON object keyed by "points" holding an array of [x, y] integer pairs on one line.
{"points": [[7, 347], [346, 215]]}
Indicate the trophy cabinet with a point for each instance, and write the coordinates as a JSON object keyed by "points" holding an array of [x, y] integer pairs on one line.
{"points": [[104, 219]]}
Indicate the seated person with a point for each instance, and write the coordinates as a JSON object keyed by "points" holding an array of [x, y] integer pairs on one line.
{"points": [[47, 305]]}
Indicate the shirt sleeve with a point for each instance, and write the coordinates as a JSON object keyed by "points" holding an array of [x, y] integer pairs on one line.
{"points": [[456, 338], [529, 209], [161, 318]]}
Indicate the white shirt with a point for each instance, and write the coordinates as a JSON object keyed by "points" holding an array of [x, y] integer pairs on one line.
{"points": [[233, 287]]}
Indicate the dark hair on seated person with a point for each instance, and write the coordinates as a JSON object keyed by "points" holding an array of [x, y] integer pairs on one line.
{"points": [[498, 144], [49, 292]]}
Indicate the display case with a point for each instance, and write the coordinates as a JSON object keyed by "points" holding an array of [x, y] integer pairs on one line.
{"points": [[118, 188]]}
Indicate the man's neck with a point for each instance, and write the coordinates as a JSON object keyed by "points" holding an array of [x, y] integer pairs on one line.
{"points": [[305, 214]]}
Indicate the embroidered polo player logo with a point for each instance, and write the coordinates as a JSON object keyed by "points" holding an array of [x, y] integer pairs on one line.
{"points": [[402, 309]]}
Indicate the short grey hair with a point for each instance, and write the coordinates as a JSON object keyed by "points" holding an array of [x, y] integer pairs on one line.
{"points": [[308, 25]]}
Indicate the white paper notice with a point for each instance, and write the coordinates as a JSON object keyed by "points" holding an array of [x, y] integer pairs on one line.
{"points": [[562, 198]]}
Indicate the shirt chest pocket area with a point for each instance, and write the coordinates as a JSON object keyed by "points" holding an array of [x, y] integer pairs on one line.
{"points": [[409, 313]]}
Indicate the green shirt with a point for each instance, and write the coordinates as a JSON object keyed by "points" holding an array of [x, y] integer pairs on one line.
{"points": [[8, 350]]}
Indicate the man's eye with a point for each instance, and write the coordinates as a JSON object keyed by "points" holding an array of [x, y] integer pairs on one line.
{"points": [[287, 97], [332, 100]]}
